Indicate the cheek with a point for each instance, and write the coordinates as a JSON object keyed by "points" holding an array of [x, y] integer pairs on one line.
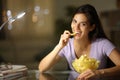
{"points": [[71, 27], [85, 30]]}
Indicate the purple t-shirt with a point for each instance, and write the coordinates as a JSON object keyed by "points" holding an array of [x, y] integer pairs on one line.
{"points": [[100, 50]]}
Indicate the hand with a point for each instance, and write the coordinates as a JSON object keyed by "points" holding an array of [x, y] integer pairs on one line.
{"points": [[64, 38], [89, 75]]}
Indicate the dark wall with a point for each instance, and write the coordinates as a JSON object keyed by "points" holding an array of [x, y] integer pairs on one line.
{"points": [[2, 32], [2, 8]]}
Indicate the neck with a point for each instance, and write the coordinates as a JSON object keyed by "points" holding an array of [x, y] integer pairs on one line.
{"points": [[81, 47], [81, 44]]}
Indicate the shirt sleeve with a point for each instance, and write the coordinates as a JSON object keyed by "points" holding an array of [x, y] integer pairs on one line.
{"points": [[61, 53], [66, 51], [107, 47]]}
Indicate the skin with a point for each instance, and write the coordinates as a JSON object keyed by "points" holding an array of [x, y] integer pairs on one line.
{"points": [[80, 24], [46, 76]]}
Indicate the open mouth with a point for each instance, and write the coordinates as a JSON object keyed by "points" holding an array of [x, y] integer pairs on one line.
{"points": [[75, 33]]}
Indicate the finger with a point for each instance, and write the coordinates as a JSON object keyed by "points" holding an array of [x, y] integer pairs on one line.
{"points": [[83, 75], [87, 76], [64, 38], [66, 35], [67, 32], [87, 71]]}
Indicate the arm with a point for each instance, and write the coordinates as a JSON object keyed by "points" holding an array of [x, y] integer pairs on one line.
{"points": [[53, 57], [114, 71], [49, 60], [107, 73]]}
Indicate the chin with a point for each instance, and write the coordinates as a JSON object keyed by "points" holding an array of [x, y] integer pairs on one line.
{"points": [[77, 38]]}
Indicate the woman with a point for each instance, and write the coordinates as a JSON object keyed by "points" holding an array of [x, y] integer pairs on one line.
{"points": [[89, 39]]}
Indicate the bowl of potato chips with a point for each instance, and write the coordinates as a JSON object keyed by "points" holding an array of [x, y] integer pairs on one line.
{"points": [[84, 63]]}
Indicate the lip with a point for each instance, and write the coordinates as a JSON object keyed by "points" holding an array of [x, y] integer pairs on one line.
{"points": [[77, 32]]}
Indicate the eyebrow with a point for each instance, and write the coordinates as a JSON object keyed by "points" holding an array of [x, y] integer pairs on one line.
{"points": [[84, 22], [87, 22]]}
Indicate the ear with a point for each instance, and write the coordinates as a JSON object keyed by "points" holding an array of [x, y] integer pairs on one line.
{"points": [[92, 27]]}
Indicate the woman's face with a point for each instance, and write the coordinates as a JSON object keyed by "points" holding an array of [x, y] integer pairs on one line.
{"points": [[81, 25]]}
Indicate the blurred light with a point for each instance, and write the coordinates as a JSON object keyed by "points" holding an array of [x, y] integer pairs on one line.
{"points": [[37, 8], [9, 16], [20, 15], [46, 11], [12, 19]]}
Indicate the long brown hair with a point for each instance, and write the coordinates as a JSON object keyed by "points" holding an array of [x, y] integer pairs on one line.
{"points": [[93, 19]]}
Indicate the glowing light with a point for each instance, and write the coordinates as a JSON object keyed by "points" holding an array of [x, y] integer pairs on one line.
{"points": [[12, 19]]}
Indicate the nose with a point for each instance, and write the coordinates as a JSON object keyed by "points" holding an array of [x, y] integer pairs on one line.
{"points": [[77, 26]]}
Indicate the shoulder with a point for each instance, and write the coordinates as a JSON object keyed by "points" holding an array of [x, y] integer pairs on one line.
{"points": [[103, 44], [102, 41]]}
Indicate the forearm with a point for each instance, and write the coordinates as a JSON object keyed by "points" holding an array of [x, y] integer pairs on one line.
{"points": [[110, 72], [47, 62]]}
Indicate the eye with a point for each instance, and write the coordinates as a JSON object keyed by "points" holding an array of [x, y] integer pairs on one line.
{"points": [[83, 24]]}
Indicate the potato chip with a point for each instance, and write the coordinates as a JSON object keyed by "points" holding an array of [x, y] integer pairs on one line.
{"points": [[84, 63]]}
